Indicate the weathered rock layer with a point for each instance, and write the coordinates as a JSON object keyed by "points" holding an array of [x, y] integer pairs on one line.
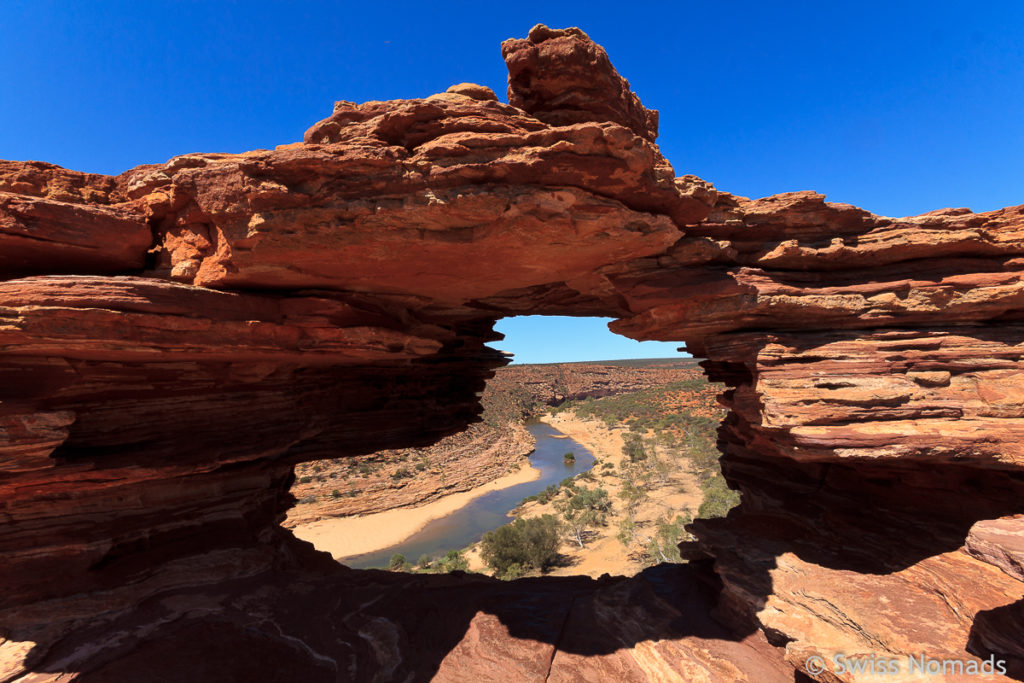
{"points": [[175, 339]]}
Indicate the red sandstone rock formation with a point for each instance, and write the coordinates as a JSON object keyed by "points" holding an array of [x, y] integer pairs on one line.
{"points": [[176, 338]]}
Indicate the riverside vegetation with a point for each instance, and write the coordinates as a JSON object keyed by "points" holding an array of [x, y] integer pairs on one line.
{"points": [[487, 450], [628, 504]]}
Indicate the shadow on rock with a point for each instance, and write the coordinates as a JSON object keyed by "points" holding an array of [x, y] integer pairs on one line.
{"points": [[998, 632], [326, 622]]}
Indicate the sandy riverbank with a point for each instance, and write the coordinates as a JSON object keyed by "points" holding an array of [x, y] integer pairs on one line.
{"points": [[594, 435], [604, 553], [348, 536]]}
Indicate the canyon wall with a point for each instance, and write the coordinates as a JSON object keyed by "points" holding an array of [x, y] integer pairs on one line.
{"points": [[175, 339], [497, 445]]}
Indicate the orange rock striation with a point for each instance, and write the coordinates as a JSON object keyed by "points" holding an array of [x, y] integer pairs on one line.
{"points": [[175, 339]]}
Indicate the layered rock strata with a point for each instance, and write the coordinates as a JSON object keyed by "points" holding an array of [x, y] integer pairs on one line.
{"points": [[175, 339], [875, 416]]}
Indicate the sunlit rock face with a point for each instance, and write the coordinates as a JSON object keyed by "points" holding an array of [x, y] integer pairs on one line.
{"points": [[176, 338]]}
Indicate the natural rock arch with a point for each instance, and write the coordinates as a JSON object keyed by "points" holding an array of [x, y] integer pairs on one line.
{"points": [[176, 338]]}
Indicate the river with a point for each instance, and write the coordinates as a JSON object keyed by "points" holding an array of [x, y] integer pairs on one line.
{"points": [[469, 523]]}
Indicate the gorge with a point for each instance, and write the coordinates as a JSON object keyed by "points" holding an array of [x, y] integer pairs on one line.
{"points": [[467, 524], [177, 338]]}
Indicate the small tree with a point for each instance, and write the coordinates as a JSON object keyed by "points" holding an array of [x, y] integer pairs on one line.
{"points": [[699, 447], [631, 494], [540, 536], [660, 468], [718, 498], [583, 509], [452, 561], [529, 543], [547, 494], [569, 458], [397, 562], [633, 447], [504, 547], [664, 545], [627, 532], [514, 571]]}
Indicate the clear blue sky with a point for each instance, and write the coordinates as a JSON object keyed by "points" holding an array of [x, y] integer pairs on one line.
{"points": [[898, 107]]}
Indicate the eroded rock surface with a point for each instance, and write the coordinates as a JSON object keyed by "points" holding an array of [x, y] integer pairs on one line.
{"points": [[175, 339]]}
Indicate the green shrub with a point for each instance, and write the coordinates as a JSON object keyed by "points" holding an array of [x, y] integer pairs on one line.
{"points": [[627, 532], [569, 457], [631, 495], [718, 498], [305, 480], [664, 545], [335, 493], [397, 562], [633, 447], [584, 508], [530, 543], [547, 494], [401, 473], [452, 561], [513, 572]]}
